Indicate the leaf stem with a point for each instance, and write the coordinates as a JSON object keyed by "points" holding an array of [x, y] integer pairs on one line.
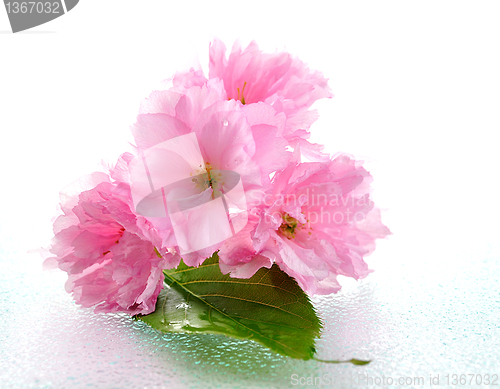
{"points": [[358, 362]]}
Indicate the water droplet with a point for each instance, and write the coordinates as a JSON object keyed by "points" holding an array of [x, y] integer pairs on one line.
{"points": [[225, 123]]}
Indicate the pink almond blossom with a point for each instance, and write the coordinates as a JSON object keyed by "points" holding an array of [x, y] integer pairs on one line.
{"points": [[316, 222], [278, 79], [248, 142], [107, 250]]}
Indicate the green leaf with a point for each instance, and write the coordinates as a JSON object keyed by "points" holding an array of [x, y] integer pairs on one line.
{"points": [[269, 307]]}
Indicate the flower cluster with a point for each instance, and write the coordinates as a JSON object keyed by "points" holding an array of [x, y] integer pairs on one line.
{"points": [[248, 123]]}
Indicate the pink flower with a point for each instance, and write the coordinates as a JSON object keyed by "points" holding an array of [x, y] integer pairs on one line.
{"points": [[278, 79], [230, 138], [317, 221], [107, 250], [251, 76], [212, 161]]}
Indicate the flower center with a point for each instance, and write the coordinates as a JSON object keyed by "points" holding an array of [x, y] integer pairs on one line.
{"points": [[206, 178], [289, 226]]}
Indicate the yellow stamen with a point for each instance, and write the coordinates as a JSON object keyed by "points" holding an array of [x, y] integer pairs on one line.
{"points": [[289, 226], [242, 99], [157, 253]]}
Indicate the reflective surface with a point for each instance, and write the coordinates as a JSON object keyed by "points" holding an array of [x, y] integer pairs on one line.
{"points": [[410, 321]]}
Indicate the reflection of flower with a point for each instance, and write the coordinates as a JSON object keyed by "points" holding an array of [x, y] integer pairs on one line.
{"points": [[317, 223], [106, 249]]}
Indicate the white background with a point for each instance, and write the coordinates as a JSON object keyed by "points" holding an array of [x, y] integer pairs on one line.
{"points": [[417, 96]]}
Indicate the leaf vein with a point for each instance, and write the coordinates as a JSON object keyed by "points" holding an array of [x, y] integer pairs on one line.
{"points": [[240, 283], [251, 301]]}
